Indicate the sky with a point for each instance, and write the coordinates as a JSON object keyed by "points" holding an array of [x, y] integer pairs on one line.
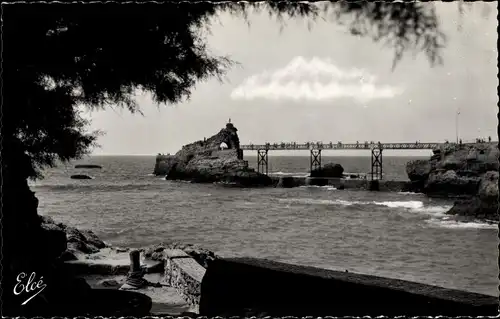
{"points": [[324, 84]]}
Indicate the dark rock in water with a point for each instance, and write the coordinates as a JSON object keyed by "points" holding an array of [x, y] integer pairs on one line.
{"points": [[316, 181], [287, 182], [328, 170], [206, 162], [164, 164], [374, 185], [413, 187], [88, 166], [80, 176]]}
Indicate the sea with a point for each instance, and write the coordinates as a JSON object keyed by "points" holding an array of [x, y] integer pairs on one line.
{"points": [[392, 234]]}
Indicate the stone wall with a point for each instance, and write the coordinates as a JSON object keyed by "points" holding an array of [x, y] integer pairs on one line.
{"points": [[184, 274], [249, 286]]}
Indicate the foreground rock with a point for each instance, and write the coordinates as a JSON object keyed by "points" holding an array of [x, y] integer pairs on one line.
{"points": [[70, 243], [206, 162], [468, 172], [328, 170], [76, 242]]}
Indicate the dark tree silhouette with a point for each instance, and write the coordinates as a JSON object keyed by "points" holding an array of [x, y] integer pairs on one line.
{"points": [[59, 56]]}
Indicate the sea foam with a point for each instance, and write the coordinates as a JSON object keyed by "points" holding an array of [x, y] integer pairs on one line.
{"points": [[454, 224], [416, 206]]}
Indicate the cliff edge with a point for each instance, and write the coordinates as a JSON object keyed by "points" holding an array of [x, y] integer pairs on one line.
{"points": [[216, 159], [468, 172]]}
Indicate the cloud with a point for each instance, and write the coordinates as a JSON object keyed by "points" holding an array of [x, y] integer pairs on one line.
{"points": [[316, 80]]}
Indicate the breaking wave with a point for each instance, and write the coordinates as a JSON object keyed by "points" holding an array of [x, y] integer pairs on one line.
{"points": [[417, 206], [409, 193], [447, 222], [327, 187], [292, 174]]}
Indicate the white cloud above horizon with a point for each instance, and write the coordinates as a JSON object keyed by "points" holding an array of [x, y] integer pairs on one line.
{"points": [[314, 79]]}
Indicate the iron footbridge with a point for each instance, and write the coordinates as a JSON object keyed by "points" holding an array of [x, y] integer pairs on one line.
{"points": [[316, 148]]}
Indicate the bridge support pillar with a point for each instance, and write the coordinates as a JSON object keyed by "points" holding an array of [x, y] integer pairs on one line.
{"points": [[262, 160], [315, 159], [376, 163]]}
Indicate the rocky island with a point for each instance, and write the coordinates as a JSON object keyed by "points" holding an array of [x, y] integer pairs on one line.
{"points": [[468, 172], [217, 159]]}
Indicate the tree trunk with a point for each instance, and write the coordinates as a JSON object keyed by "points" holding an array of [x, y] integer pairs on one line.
{"points": [[28, 246]]}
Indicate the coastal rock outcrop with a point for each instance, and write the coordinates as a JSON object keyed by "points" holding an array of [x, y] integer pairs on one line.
{"points": [[443, 183], [485, 204], [55, 236], [75, 242], [216, 159], [453, 169], [418, 172], [69, 243], [468, 172], [328, 170]]}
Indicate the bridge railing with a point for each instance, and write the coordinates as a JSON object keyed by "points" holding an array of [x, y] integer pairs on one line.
{"points": [[335, 146]]}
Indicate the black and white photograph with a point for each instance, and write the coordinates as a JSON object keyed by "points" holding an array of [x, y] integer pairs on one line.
{"points": [[251, 159]]}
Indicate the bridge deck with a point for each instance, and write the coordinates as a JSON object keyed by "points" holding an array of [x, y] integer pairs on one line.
{"points": [[338, 146]]}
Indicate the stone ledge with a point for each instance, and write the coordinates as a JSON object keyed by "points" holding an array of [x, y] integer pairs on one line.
{"points": [[184, 274], [175, 253]]}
